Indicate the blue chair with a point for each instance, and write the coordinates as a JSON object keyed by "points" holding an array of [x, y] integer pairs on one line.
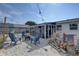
{"points": [[32, 39], [13, 38], [23, 34], [37, 40]]}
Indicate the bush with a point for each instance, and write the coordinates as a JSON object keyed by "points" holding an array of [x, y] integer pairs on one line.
{"points": [[2, 40]]}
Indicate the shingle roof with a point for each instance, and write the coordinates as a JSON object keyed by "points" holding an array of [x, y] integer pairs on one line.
{"points": [[63, 21], [69, 20]]}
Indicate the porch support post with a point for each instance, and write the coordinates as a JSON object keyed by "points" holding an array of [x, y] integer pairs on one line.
{"points": [[51, 30], [45, 31], [48, 30], [42, 30]]}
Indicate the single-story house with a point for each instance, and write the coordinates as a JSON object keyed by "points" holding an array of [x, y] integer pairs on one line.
{"points": [[69, 27], [18, 28]]}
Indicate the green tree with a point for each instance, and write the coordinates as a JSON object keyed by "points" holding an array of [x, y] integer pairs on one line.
{"points": [[30, 23]]}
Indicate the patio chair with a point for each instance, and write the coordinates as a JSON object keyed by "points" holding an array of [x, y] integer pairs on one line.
{"points": [[32, 38], [13, 38], [37, 40], [23, 34]]}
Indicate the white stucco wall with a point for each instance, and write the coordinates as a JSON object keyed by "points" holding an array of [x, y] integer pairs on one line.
{"points": [[66, 30]]}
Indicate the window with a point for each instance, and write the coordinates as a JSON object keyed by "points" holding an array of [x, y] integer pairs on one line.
{"points": [[73, 26], [59, 27]]}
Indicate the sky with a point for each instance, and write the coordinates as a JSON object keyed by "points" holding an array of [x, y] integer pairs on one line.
{"points": [[20, 13]]}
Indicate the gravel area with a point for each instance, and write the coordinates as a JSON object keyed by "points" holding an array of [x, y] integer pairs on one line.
{"points": [[28, 49], [22, 50]]}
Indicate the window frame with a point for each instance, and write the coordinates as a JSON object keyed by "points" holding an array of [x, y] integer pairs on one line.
{"points": [[59, 27], [73, 26]]}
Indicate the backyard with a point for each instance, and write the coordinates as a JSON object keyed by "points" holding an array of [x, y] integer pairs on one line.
{"points": [[28, 49]]}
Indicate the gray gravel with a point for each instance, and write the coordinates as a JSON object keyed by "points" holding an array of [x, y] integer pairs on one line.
{"points": [[28, 49]]}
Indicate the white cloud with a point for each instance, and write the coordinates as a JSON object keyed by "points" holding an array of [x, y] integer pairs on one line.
{"points": [[56, 4], [13, 11], [8, 6], [2, 14], [17, 13]]}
